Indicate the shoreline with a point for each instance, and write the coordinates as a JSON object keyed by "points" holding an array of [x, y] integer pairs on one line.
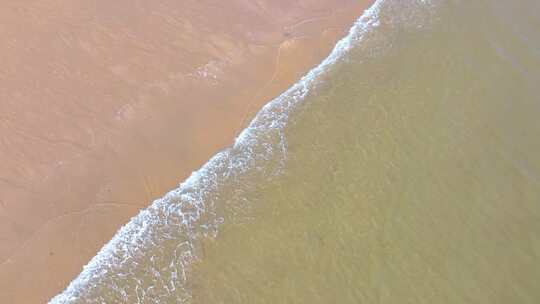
{"points": [[113, 168]]}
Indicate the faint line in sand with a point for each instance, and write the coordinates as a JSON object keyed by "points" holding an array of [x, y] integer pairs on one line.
{"points": [[265, 86], [60, 217]]}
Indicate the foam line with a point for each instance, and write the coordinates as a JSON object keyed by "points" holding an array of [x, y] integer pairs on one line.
{"points": [[188, 212]]}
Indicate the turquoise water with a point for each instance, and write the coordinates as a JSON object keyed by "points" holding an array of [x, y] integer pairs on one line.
{"points": [[404, 169]]}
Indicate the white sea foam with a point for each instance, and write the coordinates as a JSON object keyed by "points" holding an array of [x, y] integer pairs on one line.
{"points": [[160, 242]]}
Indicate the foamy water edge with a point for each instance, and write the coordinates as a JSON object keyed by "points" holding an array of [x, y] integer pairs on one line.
{"points": [[192, 195]]}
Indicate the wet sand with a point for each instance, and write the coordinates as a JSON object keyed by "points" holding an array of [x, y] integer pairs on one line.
{"points": [[106, 106]]}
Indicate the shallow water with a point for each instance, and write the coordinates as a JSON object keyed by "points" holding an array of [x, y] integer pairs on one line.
{"points": [[405, 169]]}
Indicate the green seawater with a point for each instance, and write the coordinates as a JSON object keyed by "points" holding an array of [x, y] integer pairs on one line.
{"points": [[412, 173]]}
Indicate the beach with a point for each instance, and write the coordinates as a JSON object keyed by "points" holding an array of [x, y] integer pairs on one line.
{"points": [[267, 152], [105, 107]]}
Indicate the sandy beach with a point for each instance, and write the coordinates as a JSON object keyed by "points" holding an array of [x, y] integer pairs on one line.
{"points": [[105, 106]]}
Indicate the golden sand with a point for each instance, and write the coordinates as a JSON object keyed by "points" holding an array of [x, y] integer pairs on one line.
{"points": [[105, 106]]}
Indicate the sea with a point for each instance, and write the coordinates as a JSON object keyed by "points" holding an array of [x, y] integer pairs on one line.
{"points": [[404, 168]]}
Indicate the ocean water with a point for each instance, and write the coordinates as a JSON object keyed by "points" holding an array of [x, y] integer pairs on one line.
{"points": [[403, 169]]}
